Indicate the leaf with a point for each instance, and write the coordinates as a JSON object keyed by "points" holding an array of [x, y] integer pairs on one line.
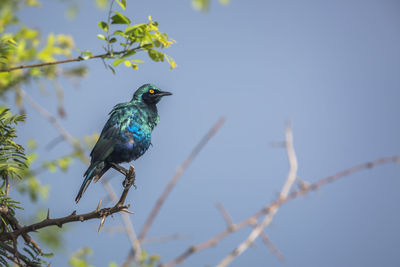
{"points": [[122, 4], [118, 61], [118, 18], [101, 37], [103, 25], [129, 30], [112, 40], [127, 63]]}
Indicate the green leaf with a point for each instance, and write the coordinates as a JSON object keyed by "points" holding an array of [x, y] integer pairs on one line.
{"points": [[118, 18], [118, 61], [122, 4], [102, 25], [112, 40], [127, 63], [101, 37], [131, 29]]}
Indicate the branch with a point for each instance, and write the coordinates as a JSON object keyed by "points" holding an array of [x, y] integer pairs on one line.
{"points": [[73, 217], [278, 202], [128, 226], [267, 241], [293, 166], [48, 116], [105, 55]]}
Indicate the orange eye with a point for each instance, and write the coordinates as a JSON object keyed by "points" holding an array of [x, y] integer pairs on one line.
{"points": [[151, 91]]}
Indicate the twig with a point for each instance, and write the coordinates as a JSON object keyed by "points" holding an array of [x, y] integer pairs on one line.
{"points": [[105, 55], [264, 236], [225, 214], [278, 202], [167, 190], [48, 116], [128, 226], [273, 210]]}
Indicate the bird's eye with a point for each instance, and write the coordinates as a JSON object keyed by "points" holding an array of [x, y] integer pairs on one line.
{"points": [[151, 91]]}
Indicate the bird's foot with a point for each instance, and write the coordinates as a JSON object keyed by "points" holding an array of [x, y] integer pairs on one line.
{"points": [[128, 182], [129, 178]]}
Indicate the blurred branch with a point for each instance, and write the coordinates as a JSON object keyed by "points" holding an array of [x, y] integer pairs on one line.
{"points": [[48, 116], [160, 201], [73, 217], [267, 241], [291, 178], [105, 55], [278, 202], [128, 226]]}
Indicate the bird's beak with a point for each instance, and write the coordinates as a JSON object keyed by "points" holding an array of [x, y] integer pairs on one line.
{"points": [[160, 94]]}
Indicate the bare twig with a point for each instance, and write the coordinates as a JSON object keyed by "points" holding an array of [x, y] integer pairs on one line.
{"points": [[273, 210], [48, 116], [279, 202], [264, 236], [225, 214], [128, 226]]}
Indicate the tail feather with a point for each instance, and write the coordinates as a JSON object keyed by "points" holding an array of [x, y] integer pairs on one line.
{"points": [[95, 170]]}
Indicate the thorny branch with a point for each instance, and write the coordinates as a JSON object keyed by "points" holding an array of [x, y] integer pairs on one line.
{"points": [[279, 202], [73, 217]]}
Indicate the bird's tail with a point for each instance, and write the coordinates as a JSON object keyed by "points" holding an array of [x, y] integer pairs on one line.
{"points": [[95, 170]]}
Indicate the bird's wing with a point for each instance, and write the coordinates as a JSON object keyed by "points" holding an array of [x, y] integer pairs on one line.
{"points": [[105, 145]]}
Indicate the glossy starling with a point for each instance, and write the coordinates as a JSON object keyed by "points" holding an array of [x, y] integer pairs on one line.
{"points": [[127, 134]]}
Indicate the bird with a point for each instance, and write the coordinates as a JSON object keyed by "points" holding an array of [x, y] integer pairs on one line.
{"points": [[126, 136]]}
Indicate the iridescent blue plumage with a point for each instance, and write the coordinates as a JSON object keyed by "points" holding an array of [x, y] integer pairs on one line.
{"points": [[127, 134]]}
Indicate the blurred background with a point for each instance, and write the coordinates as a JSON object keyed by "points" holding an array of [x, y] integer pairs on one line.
{"points": [[330, 67]]}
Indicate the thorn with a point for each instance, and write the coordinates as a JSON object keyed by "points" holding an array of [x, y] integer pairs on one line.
{"points": [[98, 206], [73, 213], [48, 214], [101, 222], [127, 211]]}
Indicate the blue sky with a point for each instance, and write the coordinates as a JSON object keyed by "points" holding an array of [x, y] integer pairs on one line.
{"points": [[330, 67]]}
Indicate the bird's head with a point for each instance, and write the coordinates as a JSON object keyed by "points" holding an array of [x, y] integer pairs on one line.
{"points": [[150, 94]]}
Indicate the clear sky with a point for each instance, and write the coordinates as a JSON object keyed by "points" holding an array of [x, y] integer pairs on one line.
{"points": [[331, 67]]}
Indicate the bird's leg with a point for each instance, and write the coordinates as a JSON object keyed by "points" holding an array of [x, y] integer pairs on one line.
{"points": [[119, 168]]}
